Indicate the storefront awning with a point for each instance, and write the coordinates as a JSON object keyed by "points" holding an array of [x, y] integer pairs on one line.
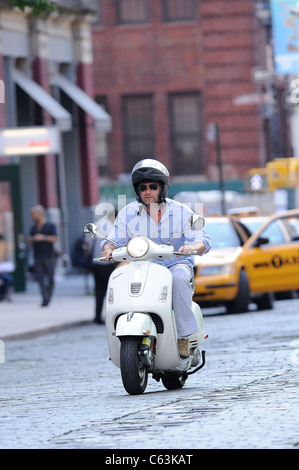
{"points": [[101, 119], [45, 100]]}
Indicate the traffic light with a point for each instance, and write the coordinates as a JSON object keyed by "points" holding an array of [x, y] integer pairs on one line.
{"points": [[283, 173], [256, 181], [279, 173]]}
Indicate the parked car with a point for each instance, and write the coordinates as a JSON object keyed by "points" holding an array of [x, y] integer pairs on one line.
{"points": [[244, 267]]}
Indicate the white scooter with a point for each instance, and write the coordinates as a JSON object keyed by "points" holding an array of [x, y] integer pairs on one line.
{"points": [[140, 322]]}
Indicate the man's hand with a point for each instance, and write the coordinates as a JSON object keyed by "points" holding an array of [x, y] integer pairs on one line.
{"points": [[199, 247], [107, 252], [185, 249], [39, 237]]}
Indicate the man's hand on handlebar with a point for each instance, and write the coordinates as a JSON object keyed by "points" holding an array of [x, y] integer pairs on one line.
{"points": [[197, 249], [107, 252]]}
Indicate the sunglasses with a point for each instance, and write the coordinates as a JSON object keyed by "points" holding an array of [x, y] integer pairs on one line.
{"points": [[143, 187]]}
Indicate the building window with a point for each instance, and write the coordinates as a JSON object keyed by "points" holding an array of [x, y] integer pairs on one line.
{"points": [[179, 10], [132, 11], [185, 133], [28, 113], [97, 21], [139, 135]]}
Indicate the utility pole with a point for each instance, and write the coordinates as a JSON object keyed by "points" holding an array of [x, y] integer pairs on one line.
{"points": [[213, 135]]}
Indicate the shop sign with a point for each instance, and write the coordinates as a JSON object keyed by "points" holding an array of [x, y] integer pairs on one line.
{"points": [[29, 141]]}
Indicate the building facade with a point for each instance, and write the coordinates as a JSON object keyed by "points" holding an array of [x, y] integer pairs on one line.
{"points": [[46, 71], [164, 72], [168, 69]]}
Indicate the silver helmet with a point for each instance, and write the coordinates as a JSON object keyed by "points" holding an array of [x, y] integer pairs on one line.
{"points": [[150, 170]]}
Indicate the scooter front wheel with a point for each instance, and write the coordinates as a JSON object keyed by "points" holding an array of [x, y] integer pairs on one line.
{"points": [[134, 375]]}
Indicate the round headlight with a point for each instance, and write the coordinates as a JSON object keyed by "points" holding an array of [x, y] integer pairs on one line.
{"points": [[137, 247]]}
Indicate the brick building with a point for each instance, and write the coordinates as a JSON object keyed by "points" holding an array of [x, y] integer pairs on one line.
{"points": [[166, 69], [46, 83]]}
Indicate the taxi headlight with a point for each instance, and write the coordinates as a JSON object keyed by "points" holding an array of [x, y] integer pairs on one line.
{"points": [[216, 270], [138, 247]]}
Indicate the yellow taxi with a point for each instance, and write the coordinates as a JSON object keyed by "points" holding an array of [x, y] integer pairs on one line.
{"points": [[249, 261]]}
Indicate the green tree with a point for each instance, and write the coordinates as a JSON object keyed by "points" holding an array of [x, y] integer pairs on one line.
{"points": [[38, 6]]}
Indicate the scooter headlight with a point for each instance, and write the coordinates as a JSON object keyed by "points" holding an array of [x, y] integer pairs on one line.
{"points": [[138, 247]]}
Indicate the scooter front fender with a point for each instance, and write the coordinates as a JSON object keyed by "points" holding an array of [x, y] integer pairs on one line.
{"points": [[135, 324]]}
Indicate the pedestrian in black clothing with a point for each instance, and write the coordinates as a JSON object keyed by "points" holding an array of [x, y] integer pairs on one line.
{"points": [[6, 268], [101, 272], [42, 236], [102, 269]]}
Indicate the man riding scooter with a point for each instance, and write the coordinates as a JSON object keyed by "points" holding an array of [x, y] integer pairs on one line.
{"points": [[160, 218]]}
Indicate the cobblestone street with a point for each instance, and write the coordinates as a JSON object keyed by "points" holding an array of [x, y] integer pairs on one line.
{"points": [[61, 391]]}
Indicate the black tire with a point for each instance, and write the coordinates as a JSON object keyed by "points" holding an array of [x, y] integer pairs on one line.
{"points": [[241, 302], [265, 302], [173, 380], [286, 295], [134, 375]]}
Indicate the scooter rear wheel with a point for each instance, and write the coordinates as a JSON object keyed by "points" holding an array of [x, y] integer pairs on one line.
{"points": [[173, 380], [134, 375]]}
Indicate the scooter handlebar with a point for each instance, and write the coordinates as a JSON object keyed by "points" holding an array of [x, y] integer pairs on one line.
{"points": [[121, 253], [101, 258], [183, 253], [194, 252]]}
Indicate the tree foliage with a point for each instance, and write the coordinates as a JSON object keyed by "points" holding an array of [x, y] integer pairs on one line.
{"points": [[38, 6]]}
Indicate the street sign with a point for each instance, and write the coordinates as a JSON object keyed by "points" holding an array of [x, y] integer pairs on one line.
{"points": [[250, 99], [211, 132], [2, 92], [260, 75]]}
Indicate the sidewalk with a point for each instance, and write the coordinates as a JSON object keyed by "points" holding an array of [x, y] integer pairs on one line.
{"points": [[73, 303]]}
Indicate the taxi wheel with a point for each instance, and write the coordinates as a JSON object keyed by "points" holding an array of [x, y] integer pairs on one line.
{"points": [[241, 302], [265, 302]]}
